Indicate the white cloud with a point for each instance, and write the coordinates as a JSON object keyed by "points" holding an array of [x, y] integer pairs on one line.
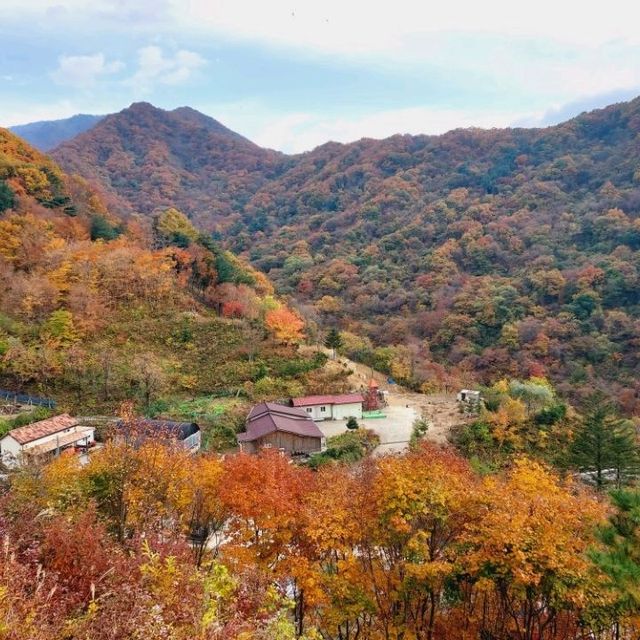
{"points": [[154, 67], [362, 25], [554, 50], [302, 131], [358, 26], [83, 71], [535, 61], [12, 114]]}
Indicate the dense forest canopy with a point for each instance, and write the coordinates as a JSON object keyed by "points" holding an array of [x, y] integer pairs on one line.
{"points": [[499, 252], [151, 542]]}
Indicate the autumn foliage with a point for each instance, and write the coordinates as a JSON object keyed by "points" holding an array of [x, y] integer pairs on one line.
{"points": [[474, 255], [408, 546], [286, 325], [96, 309]]}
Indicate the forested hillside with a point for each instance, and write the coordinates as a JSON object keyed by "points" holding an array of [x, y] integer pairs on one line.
{"points": [[453, 275], [145, 158], [472, 255], [95, 309]]}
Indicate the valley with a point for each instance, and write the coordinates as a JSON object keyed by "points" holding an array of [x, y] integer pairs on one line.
{"points": [[189, 309], [319, 320], [460, 258]]}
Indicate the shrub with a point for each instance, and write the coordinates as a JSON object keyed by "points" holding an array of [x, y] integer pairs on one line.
{"points": [[346, 447], [475, 438], [551, 415], [352, 423], [418, 431], [102, 229]]}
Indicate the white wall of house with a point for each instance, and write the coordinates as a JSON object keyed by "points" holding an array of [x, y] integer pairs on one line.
{"points": [[334, 411], [344, 411], [320, 412], [9, 450]]}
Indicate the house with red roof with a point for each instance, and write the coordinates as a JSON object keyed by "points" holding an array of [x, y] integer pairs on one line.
{"points": [[46, 438], [286, 428], [331, 407]]}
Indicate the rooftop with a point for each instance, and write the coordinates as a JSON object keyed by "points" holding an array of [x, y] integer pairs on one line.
{"points": [[274, 407], [43, 428], [267, 417], [346, 398], [143, 427]]}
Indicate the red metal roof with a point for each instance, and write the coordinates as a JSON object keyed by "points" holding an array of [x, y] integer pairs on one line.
{"points": [[31, 432], [347, 398], [267, 417]]}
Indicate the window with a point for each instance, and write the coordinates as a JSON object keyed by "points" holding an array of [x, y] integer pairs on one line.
{"points": [[323, 409], [309, 409]]}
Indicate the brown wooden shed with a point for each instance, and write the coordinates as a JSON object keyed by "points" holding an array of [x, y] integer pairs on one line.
{"points": [[275, 425]]}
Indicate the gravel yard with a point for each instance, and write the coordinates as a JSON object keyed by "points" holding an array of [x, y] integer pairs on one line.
{"points": [[440, 411], [394, 430]]}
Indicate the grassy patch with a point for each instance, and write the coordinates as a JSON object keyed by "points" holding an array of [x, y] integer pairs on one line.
{"points": [[219, 418]]}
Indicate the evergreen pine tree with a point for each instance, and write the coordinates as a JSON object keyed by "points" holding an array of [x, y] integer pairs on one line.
{"points": [[604, 443], [352, 423], [618, 556], [333, 340], [7, 199]]}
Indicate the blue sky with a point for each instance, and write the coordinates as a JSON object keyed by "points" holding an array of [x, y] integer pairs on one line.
{"points": [[291, 75]]}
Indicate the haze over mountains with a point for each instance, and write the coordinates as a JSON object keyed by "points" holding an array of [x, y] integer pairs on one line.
{"points": [[47, 134], [497, 252]]}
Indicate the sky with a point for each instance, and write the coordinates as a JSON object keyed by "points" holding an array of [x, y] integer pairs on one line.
{"points": [[291, 75]]}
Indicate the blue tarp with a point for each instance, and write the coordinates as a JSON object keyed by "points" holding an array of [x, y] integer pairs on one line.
{"points": [[21, 398]]}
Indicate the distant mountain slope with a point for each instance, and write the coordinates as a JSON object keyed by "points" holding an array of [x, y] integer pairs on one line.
{"points": [[47, 134], [148, 159], [501, 252]]}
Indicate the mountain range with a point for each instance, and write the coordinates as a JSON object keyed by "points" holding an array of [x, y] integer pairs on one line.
{"points": [[47, 134], [474, 254]]}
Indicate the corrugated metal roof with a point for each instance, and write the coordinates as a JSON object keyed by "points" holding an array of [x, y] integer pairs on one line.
{"points": [[43, 428], [346, 398], [61, 441], [159, 428]]}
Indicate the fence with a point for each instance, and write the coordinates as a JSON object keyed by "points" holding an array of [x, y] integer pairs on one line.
{"points": [[21, 398]]}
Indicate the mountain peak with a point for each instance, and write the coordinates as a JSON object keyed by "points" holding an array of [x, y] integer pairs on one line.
{"points": [[141, 106], [188, 114], [178, 147]]}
